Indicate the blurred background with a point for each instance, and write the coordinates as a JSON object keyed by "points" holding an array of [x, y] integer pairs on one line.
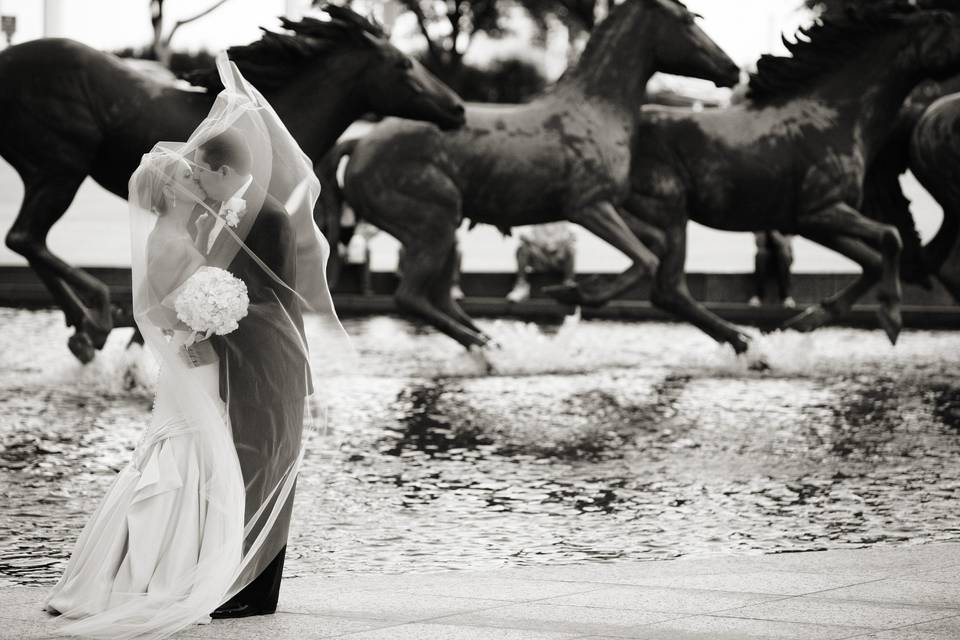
{"points": [[488, 50]]}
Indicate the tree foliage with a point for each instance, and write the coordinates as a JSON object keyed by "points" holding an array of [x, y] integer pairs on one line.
{"points": [[506, 80], [450, 26]]}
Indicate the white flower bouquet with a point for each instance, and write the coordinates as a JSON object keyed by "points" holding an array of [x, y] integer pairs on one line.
{"points": [[212, 301]]}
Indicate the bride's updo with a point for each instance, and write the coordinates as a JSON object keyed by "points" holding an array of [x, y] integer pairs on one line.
{"points": [[151, 177]]}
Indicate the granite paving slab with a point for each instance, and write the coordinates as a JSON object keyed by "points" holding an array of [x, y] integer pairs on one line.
{"points": [[880, 593]]}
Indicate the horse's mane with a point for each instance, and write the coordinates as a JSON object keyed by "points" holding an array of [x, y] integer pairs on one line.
{"points": [[817, 49], [275, 58], [612, 22]]}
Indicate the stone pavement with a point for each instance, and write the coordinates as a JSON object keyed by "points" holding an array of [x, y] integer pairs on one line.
{"points": [[880, 593]]}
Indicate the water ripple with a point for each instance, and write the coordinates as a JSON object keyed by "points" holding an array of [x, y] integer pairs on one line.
{"points": [[590, 441]]}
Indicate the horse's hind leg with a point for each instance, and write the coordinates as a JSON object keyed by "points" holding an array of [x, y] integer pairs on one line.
{"points": [[839, 227], [835, 306], [942, 254], [949, 271], [934, 158], [84, 299]]}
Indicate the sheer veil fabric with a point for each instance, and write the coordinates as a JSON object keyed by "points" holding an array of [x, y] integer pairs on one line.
{"points": [[205, 503]]}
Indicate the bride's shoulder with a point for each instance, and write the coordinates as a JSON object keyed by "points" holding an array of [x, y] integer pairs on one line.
{"points": [[172, 248]]}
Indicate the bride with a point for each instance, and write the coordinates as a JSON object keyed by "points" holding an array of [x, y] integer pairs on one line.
{"points": [[224, 256]]}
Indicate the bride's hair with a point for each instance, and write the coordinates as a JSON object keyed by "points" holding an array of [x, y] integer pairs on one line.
{"points": [[151, 177]]}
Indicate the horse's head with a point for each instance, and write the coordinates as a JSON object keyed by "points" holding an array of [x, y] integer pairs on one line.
{"points": [[682, 48], [391, 83], [397, 85], [345, 59]]}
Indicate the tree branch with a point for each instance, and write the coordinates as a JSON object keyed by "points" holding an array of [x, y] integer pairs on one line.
{"points": [[180, 23], [417, 10], [454, 18], [156, 22]]}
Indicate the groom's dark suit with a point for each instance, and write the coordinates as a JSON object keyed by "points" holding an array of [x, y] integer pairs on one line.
{"points": [[264, 378]]}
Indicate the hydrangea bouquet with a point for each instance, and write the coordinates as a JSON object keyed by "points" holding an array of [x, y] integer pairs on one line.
{"points": [[211, 301]]}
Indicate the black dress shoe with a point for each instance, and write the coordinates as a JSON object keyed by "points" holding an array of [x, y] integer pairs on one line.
{"points": [[237, 610], [259, 598]]}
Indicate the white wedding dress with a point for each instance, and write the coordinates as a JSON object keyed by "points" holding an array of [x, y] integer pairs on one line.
{"points": [[152, 528]]}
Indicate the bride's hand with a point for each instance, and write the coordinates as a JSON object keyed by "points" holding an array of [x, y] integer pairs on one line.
{"points": [[204, 224]]}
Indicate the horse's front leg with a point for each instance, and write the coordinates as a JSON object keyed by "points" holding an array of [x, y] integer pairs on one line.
{"points": [[671, 294], [84, 299], [441, 295], [606, 222], [872, 245], [423, 266]]}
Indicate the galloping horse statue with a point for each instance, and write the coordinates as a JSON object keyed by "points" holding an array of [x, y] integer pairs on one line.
{"points": [[563, 156], [883, 197], [925, 141], [791, 157], [68, 111], [935, 161]]}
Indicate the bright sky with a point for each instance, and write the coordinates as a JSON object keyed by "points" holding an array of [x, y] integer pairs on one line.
{"points": [[744, 28]]}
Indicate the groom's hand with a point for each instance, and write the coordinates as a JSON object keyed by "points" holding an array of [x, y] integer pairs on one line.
{"points": [[199, 354]]}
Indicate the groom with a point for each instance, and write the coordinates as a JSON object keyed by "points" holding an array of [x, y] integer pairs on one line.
{"points": [[263, 369]]}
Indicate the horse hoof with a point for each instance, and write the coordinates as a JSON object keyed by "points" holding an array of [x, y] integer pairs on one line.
{"points": [[745, 348], [891, 322], [81, 347], [812, 318], [96, 333], [479, 354], [740, 344], [565, 294]]}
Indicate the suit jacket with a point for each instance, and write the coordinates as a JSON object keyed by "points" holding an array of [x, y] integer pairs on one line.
{"points": [[263, 361]]}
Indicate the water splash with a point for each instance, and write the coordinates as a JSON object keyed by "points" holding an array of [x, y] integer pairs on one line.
{"points": [[526, 349], [116, 369], [138, 368], [584, 346], [840, 351]]}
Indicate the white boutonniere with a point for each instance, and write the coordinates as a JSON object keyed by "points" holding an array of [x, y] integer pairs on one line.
{"points": [[233, 210]]}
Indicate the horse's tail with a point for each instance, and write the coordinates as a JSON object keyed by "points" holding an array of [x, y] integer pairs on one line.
{"points": [[330, 204], [884, 200]]}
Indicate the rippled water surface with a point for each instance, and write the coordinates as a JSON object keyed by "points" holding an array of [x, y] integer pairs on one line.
{"points": [[586, 442]]}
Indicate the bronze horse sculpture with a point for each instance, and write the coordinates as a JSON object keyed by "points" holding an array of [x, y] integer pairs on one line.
{"points": [[925, 141], [68, 111], [563, 156], [935, 160], [330, 204], [883, 197], [791, 157]]}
